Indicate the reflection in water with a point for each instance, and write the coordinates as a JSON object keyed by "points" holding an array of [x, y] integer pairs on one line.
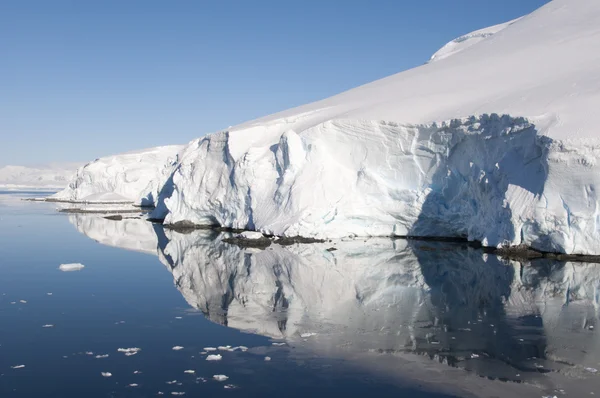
{"points": [[452, 303]]}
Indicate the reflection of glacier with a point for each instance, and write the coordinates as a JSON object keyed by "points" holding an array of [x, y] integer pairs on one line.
{"points": [[129, 233], [450, 302]]}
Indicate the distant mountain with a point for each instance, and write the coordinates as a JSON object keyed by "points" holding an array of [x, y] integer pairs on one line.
{"points": [[52, 176]]}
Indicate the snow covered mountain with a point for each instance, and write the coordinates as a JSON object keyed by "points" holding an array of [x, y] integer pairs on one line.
{"points": [[129, 177], [423, 152], [49, 177]]}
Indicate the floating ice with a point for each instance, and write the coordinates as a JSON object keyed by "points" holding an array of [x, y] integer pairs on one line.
{"points": [[177, 348], [305, 335], [171, 382], [267, 359], [133, 385], [210, 349], [592, 370], [178, 317], [129, 351], [214, 357], [220, 377], [49, 294], [48, 326], [178, 393], [23, 301], [71, 267], [18, 367], [243, 348], [229, 386], [278, 344], [224, 347], [106, 374], [137, 372], [190, 371]]}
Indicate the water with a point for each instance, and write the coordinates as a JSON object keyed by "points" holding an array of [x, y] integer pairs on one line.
{"points": [[392, 318]]}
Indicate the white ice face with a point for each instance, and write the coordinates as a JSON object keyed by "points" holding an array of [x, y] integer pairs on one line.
{"points": [[379, 160]]}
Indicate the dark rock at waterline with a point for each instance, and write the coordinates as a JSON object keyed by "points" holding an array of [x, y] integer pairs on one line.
{"points": [[261, 243], [116, 217]]}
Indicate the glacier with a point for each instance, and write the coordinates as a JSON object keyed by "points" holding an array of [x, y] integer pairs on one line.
{"points": [[494, 140], [132, 177]]}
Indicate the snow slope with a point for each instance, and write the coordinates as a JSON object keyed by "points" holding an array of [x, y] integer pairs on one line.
{"points": [[129, 177], [463, 42], [53, 176], [423, 152]]}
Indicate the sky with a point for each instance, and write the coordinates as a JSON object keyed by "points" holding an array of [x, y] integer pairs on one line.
{"points": [[85, 79]]}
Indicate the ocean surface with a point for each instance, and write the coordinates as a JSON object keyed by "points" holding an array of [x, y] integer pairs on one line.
{"points": [[146, 306]]}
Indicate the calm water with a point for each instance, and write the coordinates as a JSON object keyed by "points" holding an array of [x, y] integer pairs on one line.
{"points": [[392, 318]]}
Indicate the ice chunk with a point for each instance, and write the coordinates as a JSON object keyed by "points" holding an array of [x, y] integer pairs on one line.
{"points": [[305, 335], [133, 385], [210, 349], [224, 347], [190, 371], [250, 235], [18, 367], [177, 348], [214, 357], [23, 301], [220, 377], [106, 374], [71, 267], [101, 356], [48, 326], [129, 351], [178, 393], [267, 359]]}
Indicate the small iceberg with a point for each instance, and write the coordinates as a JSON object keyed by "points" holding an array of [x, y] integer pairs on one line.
{"points": [[220, 377], [129, 351], [190, 371], [214, 357], [177, 348], [106, 374], [71, 267], [18, 367]]}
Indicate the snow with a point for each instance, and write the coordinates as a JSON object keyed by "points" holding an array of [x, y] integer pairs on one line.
{"points": [[71, 267], [45, 177], [105, 197], [250, 235], [495, 140], [132, 177], [463, 42], [424, 152]]}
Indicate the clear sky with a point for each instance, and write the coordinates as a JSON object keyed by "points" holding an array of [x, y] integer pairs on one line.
{"points": [[84, 79]]}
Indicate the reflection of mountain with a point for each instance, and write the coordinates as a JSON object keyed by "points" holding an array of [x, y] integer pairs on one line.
{"points": [[449, 302]]}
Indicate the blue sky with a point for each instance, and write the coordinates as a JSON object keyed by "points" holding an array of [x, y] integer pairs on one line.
{"points": [[84, 79]]}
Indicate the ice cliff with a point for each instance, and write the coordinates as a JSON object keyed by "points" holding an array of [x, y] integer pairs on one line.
{"points": [[496, 142], [129, 177]]}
